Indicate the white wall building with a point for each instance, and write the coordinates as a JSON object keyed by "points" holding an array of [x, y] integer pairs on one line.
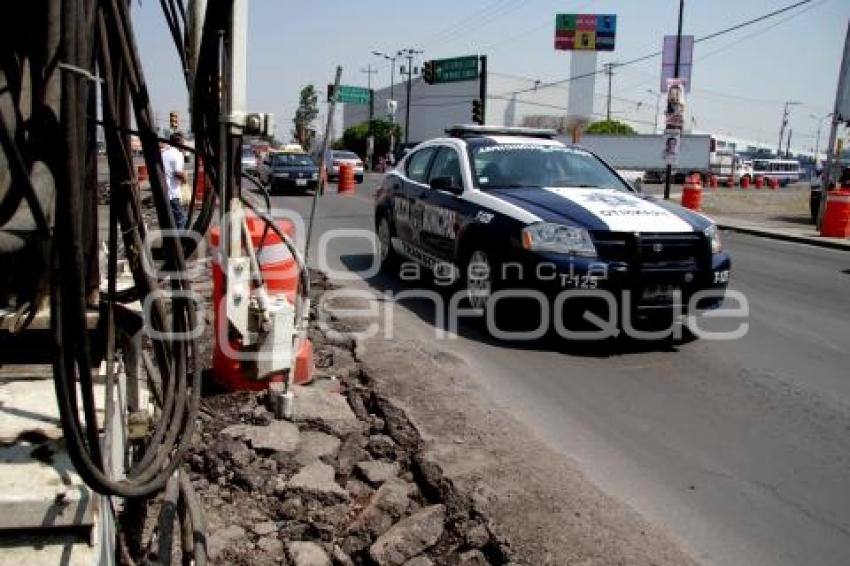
{"points": [[511, 101]]}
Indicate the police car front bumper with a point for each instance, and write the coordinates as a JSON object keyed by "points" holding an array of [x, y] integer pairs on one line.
{"points": [[650, 285]]}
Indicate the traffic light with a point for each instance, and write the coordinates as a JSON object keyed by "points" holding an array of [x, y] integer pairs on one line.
{"points": [[428, 72], [331, 92], [478, 111], [173, 120]]}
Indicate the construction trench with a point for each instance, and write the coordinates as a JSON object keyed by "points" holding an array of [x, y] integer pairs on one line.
{"points": [[343, 482]]}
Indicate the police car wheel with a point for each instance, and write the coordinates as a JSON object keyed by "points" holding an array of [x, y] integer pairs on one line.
{"points": [[478, 274], [385, 247]]}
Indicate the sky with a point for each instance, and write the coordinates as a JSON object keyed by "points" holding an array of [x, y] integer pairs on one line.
{"points": [[741, 80]]}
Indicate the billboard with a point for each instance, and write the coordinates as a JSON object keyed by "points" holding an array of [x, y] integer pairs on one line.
{"points": [[585, 32], [668, 60]]}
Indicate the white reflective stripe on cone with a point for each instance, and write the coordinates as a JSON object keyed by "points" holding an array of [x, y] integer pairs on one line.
{"points": [[839, 198], [273, 253]]}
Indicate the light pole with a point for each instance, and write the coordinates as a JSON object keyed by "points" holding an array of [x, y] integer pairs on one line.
{"points": [[392, 59], [820, 120], [657, 96], [370, 143], [786, 114]]}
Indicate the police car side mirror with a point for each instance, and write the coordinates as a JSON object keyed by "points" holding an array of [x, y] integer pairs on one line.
{"points": [[445, 184]]}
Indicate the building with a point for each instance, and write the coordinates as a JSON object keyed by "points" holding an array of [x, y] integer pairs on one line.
{"points": [[511, 101]]}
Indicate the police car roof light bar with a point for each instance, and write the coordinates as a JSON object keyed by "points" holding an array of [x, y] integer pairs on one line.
{"points": [[470, 130]]}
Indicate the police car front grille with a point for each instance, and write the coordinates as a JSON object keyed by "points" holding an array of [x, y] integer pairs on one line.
{"points": [[652, 251]]}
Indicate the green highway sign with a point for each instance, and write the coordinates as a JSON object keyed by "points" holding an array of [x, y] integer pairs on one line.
{"points": [[456, 69], [350, 94]]}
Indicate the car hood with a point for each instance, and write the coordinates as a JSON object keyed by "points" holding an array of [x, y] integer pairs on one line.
{"points": [[603, 209]]}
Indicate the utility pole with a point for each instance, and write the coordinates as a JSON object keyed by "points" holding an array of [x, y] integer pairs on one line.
{"points": [[786, 113], [788, 145], [392, 59], [675, 75], [370, 142], [820, 120], [609, 70], [409, 54]]}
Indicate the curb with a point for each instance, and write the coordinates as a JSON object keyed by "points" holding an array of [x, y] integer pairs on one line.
{"points": [[786, 237]]}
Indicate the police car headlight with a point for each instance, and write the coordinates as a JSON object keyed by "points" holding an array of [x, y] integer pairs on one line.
{"points": [[713, 235], [315, 176], [549, 237]]}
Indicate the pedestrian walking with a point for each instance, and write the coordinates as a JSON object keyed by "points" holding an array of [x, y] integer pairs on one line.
{"points": [[172, 163]]}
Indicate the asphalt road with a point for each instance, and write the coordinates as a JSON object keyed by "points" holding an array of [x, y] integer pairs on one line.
{"points": [[740, 449]]}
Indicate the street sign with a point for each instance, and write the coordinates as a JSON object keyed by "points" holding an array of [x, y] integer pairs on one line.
{"points": [[454, 70], [668, 60], [587, 32], [350, 94]]}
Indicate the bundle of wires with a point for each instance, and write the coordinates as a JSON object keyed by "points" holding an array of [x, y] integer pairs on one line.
{"points": [[97, 34]]}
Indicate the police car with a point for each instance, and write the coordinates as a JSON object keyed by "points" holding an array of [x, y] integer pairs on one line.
{"points": [[514, 207]]}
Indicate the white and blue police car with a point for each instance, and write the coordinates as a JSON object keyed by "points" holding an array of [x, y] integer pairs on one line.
{"points": [[526, 210]]}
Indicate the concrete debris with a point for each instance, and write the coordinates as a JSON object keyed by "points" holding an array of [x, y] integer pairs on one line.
{"points": [[270, 545], [222, 538], [419, 561], [410, 536], [277, 436], [377, 472], [473, 558], [307, 554], [316, 446], [316, 479], [387, 505], [327, 410], [264, 528]]}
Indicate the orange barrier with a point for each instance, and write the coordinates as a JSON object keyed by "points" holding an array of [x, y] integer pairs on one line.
{"points": [[759, 182], [774, 183], [345, 185], [280, 273], [142, 172], [730, 182], [712, 181], [692, 193], [745, 183], [836, 215]]}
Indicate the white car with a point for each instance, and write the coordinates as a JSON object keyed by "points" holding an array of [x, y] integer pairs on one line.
{"points": [[334, 158], [250, 162]]}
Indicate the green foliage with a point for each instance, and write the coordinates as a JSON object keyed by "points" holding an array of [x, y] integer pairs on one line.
{"points": [[354, 138], [308, 109], [613, 127]]}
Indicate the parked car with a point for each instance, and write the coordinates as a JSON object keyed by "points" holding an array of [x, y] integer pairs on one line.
{"points": [[336, 157], [282, 171]]}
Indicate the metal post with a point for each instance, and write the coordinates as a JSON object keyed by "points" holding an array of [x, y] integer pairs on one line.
{"points": [[482, 89], [676, 75], [788, 145], [321, 186], [609, 70], [407, 105]]}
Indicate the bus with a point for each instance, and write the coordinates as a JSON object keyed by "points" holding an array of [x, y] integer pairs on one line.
{"points": [[784, 170]]}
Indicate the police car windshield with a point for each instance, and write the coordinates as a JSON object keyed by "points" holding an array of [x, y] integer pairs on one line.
{"points": [[539, 165]]}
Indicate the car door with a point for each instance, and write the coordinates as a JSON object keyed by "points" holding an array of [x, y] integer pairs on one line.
{"points": [[406, 204], [441, 208]]}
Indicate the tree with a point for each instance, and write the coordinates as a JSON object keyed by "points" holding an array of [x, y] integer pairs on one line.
{"points": [[613, 127], [354, 138], [308, 109]]}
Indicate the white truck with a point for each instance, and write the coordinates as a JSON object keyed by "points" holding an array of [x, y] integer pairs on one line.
{"points": [[642, 155]]}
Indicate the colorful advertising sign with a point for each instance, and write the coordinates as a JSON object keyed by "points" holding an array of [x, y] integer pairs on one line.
{"points": [[589, 32]]}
